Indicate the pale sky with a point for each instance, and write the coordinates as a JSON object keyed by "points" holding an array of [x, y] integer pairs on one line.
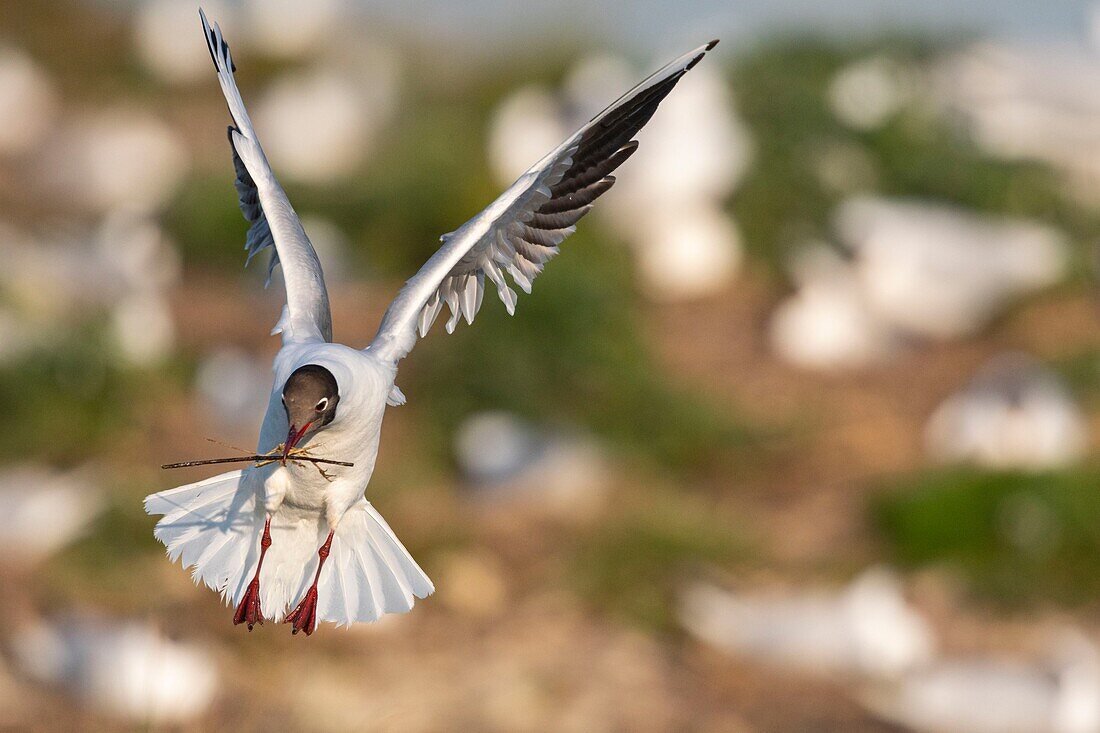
{"points": [[646, 23]]}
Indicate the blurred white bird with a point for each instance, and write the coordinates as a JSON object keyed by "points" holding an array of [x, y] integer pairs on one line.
{"points": [[342, 118], [177, 58], [1013, 414], [115, 160], [28, 102], [688, 251], [524, 125], [916, 269], [827, 324], [512, 462], [33, 497], [128, 670], [232, 385], [939, 272], [143, 329], [59, 276], [1028, 102], [291, 28], [865, 94], [991, 695], [866, 629], [125, 267], [330, 398]]}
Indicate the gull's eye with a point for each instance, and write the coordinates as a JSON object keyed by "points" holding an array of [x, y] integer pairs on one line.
{"points": [[320, 407]]}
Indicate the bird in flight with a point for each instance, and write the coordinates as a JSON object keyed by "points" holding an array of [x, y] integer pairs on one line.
{"points": [[289, 540]]}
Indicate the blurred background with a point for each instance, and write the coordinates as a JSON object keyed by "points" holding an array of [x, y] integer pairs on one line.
{"points": [[799, 432]]}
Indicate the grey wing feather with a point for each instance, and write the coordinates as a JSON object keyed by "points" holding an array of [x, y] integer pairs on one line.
{"points": [[522, 230], [273, 221], [259, 235]]}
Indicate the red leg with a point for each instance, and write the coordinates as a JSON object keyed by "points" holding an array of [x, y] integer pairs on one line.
{"points": [[304, 617], [248, 610]]}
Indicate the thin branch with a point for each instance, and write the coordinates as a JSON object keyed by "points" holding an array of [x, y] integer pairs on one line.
{"points": [[258, 459]]}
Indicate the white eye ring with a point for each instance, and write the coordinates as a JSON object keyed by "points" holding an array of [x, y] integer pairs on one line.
{"points": [[322, 404]]}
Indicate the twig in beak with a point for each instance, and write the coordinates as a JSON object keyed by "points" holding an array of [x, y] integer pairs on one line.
{"points": [[292, 438], [259, 460]]}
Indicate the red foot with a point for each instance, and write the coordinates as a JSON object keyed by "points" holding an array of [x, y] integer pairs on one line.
{"points": [[248, 610], [304, 617]]}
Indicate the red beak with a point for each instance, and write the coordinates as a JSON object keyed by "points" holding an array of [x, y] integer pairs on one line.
{"points": [[292, 438]]}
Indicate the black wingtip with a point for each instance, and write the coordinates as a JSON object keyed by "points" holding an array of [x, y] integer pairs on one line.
{"points": [[697, 59], [208, 33]]}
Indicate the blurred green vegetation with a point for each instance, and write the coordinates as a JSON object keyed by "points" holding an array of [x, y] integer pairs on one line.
{"points": [[781, 94], [630, 565], [1080, 371], [1017, 538], [65, 403]]}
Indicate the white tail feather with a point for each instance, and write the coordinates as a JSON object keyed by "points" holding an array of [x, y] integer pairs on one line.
{"points": [[214, 528]]}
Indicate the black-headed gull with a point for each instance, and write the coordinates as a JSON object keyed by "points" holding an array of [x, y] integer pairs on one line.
{"points": [[252, 534]]}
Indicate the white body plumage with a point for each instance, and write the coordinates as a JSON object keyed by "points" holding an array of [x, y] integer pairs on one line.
{"points": [[352, 436], [215, 526]]}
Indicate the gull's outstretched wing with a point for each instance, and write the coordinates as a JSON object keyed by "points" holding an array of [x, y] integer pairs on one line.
{"points": [[520, 231], [273, 222]]}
